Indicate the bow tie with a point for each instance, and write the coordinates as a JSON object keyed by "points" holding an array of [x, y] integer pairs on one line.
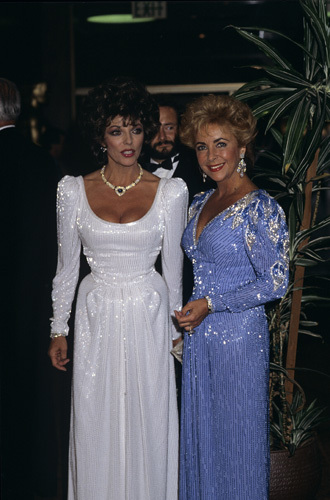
{"points": [[166, 164]]}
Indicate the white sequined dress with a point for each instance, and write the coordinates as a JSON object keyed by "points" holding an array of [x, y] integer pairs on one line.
{"points": [[124, 423]]}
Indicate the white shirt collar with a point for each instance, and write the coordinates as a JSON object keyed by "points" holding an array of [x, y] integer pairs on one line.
{"points": [[7, 126], [162, 172], [172, 157]]}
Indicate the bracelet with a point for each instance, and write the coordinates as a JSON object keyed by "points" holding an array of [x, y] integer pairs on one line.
{"points": [[209, 304], [55, 335]]}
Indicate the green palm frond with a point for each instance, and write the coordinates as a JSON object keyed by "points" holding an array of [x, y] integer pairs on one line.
{"points": [[318, 25], [303, 422], [265, 106], [284, 105], [324, 156], [294, 79], [277, 135], [255, 93], [307, 233], [264, 46], [293, 103], [296, 126], [261, 82], [302, 47]]}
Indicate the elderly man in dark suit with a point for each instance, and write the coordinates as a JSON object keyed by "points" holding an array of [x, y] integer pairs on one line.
{"points": [[28, 196]]}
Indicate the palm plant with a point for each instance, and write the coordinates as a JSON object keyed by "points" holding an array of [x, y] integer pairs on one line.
{"points": [[297, 171], [291, 425], [303, 420]]}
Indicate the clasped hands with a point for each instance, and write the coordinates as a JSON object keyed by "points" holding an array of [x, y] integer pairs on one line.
{"points": [[192, 314]]}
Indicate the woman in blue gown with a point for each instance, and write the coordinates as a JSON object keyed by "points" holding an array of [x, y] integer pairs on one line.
{"points": [[237, 240]]}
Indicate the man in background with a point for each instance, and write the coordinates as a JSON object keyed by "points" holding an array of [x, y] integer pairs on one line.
{"points": [[167, 157], [28, 261]]}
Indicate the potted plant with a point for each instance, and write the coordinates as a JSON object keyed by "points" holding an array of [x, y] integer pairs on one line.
{"points": [[295, 459], [293, 102]]}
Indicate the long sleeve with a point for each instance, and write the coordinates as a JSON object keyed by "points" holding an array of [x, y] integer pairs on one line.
{"points": [[69, 246], [266, 241], [176, 200]]}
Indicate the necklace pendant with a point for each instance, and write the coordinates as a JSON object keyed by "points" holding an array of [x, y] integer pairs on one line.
{"points": [[120, 190]]}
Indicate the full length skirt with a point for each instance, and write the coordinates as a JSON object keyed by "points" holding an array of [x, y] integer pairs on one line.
{"points": [[124, 435]]}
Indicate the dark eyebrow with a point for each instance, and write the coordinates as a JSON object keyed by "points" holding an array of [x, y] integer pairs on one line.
{"points": [[220, 139], [124, 125]]}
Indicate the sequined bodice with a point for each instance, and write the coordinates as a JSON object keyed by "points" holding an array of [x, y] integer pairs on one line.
{"points": [[134, 246], [118, 254], [243, 244]]}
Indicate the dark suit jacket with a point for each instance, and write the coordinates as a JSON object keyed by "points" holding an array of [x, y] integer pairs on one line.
{"points": [[28, 261], [188, 169]]}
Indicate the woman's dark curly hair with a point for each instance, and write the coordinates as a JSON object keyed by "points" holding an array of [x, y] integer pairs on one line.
{"points": [[119, 96]]}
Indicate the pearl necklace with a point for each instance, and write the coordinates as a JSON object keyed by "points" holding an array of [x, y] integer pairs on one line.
{"points": [[120, 190]]}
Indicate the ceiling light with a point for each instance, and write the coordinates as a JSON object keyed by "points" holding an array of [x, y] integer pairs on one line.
{"points": [[119, 19]]}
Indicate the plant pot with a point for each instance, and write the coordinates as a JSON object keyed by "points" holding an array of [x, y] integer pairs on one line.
{"points": [[295, 477]]}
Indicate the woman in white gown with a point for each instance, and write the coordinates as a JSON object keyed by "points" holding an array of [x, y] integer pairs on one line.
{"points": [[124, 423]]}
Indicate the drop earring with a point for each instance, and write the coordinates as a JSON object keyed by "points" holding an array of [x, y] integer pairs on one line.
{"points": [[204, 177], [241, 169]]}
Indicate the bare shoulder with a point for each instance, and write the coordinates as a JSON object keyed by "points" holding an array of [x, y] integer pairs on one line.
{"points": [[93, 176], [148, 176], [93, 182], [252, 186], [247, 187], [150, 181]]}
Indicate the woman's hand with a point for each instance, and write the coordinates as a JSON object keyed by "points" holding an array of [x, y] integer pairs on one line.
{"points": [[192, 314], [58, 353]]}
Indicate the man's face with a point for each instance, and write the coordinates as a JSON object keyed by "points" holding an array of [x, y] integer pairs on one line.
{"points": [[163, 145]]}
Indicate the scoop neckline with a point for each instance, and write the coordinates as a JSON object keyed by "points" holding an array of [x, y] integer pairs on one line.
{"points": [[117, 223]]}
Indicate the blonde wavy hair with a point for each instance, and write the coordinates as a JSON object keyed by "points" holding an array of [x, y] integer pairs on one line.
{"points": [[222, 110]]}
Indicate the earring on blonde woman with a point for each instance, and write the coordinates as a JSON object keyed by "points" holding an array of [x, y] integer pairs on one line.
{"points": [[241, 169]]}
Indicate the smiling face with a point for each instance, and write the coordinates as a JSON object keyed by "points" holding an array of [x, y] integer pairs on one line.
{"points": [[218, 152], [123, 141]]}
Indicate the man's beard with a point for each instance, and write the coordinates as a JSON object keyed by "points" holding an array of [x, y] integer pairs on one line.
{"points": [[155, 154]]}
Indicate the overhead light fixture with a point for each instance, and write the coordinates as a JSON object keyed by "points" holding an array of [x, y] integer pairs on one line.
{"points": [[119, 19]]}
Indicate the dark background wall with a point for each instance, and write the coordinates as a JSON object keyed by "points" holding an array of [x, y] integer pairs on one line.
{"points": [[53, 42]]}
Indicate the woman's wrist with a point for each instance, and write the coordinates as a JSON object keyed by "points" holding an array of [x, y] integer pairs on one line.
{"points": [[56, 335], [210, 307]]}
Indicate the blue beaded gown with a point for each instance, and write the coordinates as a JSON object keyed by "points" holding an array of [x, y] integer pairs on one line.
{"points": [[241, 262]]}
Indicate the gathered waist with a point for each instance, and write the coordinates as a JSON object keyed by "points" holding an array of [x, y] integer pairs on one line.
{"points": [[120, 279]]}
